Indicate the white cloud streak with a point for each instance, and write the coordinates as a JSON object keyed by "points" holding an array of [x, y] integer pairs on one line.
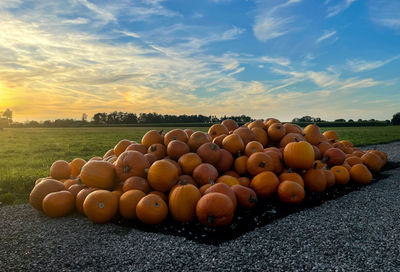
{"points": [[363, 65], [336, 9], [327, 35]]}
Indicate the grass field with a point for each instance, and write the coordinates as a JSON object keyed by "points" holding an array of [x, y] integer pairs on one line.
{"points": [[27, 154]]}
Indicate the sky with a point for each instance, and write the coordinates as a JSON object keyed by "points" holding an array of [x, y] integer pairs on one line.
{"points": [[275, 58]]}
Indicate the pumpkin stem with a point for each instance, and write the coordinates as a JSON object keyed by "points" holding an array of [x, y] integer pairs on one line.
{"points": [[325, 159], [213, 146], [290, 170], [210, 219], [252, 199], [211, 181], [182, 182], [161, 131], [262, 164], [153, 148], [127, 168], [315, 165]]}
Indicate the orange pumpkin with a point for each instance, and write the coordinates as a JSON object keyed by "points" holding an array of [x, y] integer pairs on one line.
{"points": [[341, 174], [80, 198], [334, 156], [75, 189], [151, 209], [352, 160], [121, 146], [189, 162], [182, 202], [240, 165], [176, 149], [58, 204], [186, 179], [217, 130], [228, 180], [291, 192], [223, 189], [197, 139], [261, 135], [43, 188], [175, 134], [246, 197], [331, 135], [245, 181], [162, 175], [225, 162], [209, 153], [128, 202], [131, 163], [246, 134], [137, 147], [158, 150], [60, 170], [109, 153], [256, 123], [215, 210], [230, 124], [292, 176], [234, 144], [189, 132], [253, 147], [312, 134], [270, 121], [76, 166], [99, 174], [291, 137], [265, 184], [276, 131], [70, 182], [276, 161], [259, 162], [152, 137], [315, 180], [330, 178], [205, 173], [360, 174], [293, 128], [218, 140], [100, 206], [298, 155], [372, 161], [136, 183]]}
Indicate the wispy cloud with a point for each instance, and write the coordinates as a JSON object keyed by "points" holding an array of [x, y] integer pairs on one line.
{"points": [[338, 8], [385, 13], [327, 35], [77, 21], [363, 65]]}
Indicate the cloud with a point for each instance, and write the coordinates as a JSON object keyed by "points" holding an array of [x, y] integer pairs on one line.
{"points": [[267, 28], [327, 35], [362, 65], [102, 13], [385, 13], [336, 9], [76, 21]]}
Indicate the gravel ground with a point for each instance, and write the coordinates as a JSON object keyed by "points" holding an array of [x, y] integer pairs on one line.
{"points": [[357, 232]]}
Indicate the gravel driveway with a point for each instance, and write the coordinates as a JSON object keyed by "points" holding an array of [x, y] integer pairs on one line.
{"points": [[357, 232]]}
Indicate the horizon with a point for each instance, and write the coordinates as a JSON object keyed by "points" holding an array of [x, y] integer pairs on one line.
{"points": [[281, 58]]}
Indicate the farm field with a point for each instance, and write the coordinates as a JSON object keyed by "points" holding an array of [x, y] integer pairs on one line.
{"points": [[27, 154]]}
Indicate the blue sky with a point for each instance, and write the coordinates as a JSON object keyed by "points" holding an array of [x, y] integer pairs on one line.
{"points": [[277, 58]]}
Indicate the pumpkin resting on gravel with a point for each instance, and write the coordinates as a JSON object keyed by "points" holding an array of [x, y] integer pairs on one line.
{"points": [[151, 209], [128, 202], [43, 188], [183, 199], [215, 210], [100, 206], [58, 204]]}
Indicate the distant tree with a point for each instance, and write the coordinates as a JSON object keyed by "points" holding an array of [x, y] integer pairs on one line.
{"points": [[8, 115], [350, 121], [340, 120], [396, 119], [100, 118], [84, 117], [360, 120]]}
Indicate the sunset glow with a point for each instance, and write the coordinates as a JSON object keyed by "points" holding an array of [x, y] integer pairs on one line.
{"points": [[280, 58]]}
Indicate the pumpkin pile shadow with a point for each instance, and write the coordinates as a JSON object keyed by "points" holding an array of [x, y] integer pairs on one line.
{"points": [[245, 220]]}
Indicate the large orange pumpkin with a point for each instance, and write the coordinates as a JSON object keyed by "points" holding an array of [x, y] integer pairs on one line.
{"points": [[60, 170], [137, 147], [215, 210], [43, 188], [58, 204], [183, 199], [265, 184], [298, 155], [131, 163], [151, 209], [100, 206], [128, 202], [152, 137], [162, 175], [99, 174], [76, 166]]}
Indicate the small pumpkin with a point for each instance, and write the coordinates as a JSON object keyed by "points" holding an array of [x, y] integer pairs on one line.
{"points": [[293, 128], [131, 163], [240, 165], [197, 139], [291, 192], [76, 166], [215, 210], [225, 161], [246, 134], [121, 146], [315, 180], [292, 176], [276, 132], [298, 155], [246, 197], [313, 134], [261, 135], [176, 149], [99, 174], [43, 188], [205, 173], [253, 147], [334, 156], [58, 204], [259, 162], [137, 147], [136, 183], [265, 184], [162, 175], [361, 174], [228, 180], [152, 137], [234, 144], [151, 209], [60, 170], [223, 189], [209, 153], [183, 199], [189, 162], [158, 150], [80, 198], [175, 134], [230, 124], [128, 202], [217, 130], [372, 161], [100, 206]]}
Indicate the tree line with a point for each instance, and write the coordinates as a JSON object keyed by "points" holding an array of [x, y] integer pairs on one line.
{"points": [[128, 118]]}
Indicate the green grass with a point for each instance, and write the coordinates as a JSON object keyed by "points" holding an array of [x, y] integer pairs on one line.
{"points": [[26, 154]]}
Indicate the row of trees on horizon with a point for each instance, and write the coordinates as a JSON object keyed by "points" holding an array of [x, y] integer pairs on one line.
{"points": [[127, 118]]}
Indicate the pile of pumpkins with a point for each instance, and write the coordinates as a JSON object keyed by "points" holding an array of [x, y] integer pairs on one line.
{"points": [[193, 175]]}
